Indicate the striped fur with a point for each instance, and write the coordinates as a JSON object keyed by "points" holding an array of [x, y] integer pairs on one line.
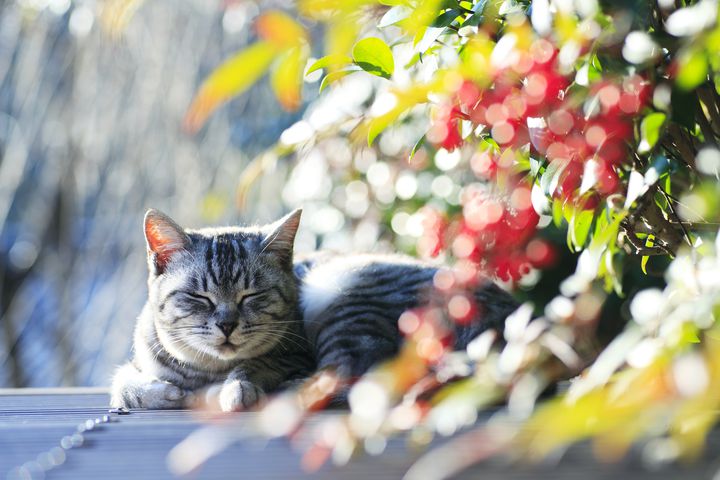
{"points": [[351, 306], [322, 311]]}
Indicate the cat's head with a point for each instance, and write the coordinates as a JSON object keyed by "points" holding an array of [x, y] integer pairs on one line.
{"points": [[219, 294]]}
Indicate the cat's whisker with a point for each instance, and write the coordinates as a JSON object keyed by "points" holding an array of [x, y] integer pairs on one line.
{"points": [[282, 336]]}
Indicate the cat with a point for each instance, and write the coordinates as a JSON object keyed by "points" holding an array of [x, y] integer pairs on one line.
{"points": [[232, 315], [221, 317]]}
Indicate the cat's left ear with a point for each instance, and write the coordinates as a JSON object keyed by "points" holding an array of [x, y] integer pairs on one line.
{"points": [[281, 235], [164, 239]]}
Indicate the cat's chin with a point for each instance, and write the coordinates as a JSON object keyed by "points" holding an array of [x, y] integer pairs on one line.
{"points": [[226, 351]]}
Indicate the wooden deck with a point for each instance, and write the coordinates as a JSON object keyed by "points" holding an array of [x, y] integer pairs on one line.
{"points": [[135, 446]]}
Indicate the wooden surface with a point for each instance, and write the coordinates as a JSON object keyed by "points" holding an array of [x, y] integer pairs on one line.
{"points": [[135, 446]]}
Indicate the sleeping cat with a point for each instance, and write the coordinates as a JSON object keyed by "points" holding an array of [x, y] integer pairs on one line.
{"points": [[231, 315]]}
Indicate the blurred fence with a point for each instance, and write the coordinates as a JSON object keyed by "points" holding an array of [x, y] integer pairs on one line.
{"points": [[89, 138]]}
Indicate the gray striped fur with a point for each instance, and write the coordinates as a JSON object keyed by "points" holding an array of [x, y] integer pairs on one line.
{"points": [[323, 311], [351, 306]]}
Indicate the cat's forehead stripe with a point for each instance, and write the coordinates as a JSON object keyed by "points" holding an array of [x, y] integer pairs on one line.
{"points": [[209, 261]]}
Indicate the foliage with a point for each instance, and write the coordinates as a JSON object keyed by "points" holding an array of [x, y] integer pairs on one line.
{"points": [[496, 121]]}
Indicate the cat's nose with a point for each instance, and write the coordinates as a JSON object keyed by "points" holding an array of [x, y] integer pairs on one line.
{"points": [[227, 326]]}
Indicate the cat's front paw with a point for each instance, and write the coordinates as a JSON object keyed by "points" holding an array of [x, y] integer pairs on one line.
{"points": [[237, 395], [157, 395]]}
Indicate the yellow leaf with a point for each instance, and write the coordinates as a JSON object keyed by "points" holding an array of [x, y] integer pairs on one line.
{"points": [[281, 30], [329, 62], [333, 77], [330, 9], [228, 80], [286, 78], [423, 15], [404, 100], [340, 37]]}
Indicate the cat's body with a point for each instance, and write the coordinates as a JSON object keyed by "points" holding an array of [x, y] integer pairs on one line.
{"points": [[350, 306], [230, 314]]}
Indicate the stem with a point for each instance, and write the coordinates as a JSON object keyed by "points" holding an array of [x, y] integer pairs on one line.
{"points": [[680, 142], [705, 125], [707, 98]]}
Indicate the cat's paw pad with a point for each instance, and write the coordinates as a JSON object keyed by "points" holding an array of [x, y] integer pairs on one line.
{"points": [[155, 395], [238, 395]]}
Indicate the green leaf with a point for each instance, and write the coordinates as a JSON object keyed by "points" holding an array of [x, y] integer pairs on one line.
{"points": [[587, 74], [557, 212], [374, 56], [445, 19], [649, 242], [417, 145], [692, 69], [650, 131], [477, 17], [337, 61], [580, 224]]}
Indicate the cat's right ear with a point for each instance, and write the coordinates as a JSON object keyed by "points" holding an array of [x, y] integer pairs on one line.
{"points": [[164, 239]]}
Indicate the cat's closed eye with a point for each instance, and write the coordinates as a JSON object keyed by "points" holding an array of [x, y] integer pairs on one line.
{"points": [[199, 300], [244, 298]]}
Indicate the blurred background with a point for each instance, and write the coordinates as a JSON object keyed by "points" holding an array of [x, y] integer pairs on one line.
{"points": [[90, 137], [91, 115]]}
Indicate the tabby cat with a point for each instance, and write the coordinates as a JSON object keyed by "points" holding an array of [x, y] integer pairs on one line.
{"points": [[231, 315]]}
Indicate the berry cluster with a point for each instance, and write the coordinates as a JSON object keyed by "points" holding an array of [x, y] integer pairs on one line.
{"points": [[584, 137]]}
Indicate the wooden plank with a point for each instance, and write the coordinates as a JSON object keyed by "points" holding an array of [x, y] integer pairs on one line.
{"points": [[135, 446]]}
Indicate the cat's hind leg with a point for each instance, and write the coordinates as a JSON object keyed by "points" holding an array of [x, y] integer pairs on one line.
{"points": [[350, 345]]}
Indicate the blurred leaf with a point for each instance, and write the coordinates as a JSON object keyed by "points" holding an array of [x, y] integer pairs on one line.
{"points": [[477, 16], [551, 177], [394, 15], [116, 14], [557, 212], [417, 145], [636, 187], [683, 107], [428, 38], [374, 56], [650, 131], [340, 37], [333, 77], [692, 68], [279, 28], [579, 229], [422, 16], [231, 78], [405, 100], [587, 74], [323, 8], [446, 18], [335, 61], [286, 78], [251, 173]]}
